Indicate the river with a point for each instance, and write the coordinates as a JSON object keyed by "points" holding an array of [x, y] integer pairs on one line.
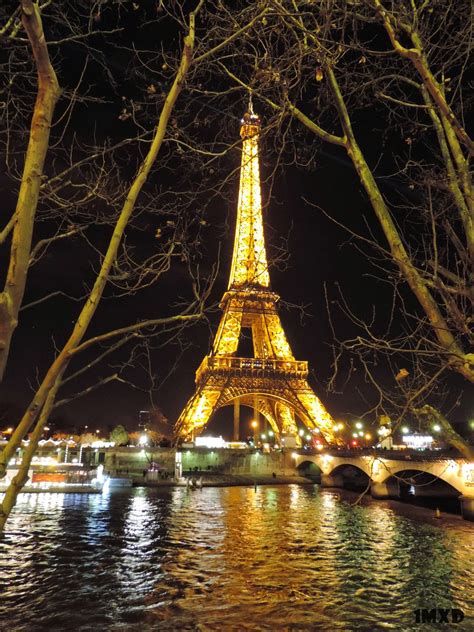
{"points": [[236, 558]]}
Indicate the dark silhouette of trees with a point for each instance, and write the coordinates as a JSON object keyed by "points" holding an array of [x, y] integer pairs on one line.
{"points": [[71, 185]]}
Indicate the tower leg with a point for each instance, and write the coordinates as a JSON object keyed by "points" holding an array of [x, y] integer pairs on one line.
{"points": [[287, 423], [236, 419]]}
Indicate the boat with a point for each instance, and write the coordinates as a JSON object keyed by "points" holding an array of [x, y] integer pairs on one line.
{"points": [[64, 478]]}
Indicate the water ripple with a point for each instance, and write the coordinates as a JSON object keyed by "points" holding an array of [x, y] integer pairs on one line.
{"points": [[228, 558]]}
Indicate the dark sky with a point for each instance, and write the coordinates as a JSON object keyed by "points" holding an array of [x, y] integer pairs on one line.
{"points": [[320, 252], [316, 257]]}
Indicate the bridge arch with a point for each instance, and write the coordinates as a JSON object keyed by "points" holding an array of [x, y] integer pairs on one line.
{"points": [[381, 470], [389, 475], [424, 482], [350, 476], [309, 469]]}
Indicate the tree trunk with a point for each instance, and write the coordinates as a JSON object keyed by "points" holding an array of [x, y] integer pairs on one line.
{"points": [[46, 99], [53, 376], [456, 358], [21, 477]]}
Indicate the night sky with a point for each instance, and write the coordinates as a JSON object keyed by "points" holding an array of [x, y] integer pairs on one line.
{"points": [[317, 255], [320, 252]]}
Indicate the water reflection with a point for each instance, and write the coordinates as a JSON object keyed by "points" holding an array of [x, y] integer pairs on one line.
{"points": [[228, 558]]}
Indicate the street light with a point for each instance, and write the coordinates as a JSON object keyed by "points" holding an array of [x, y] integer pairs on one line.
{"points": [[437, 428], [359, 425], [254, 425], [143, 440]]}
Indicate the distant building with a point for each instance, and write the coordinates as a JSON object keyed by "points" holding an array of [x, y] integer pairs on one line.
{"points": [[418, 441]]}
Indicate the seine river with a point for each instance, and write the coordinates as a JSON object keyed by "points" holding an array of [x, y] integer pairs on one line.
{"points": [[275, 558]]}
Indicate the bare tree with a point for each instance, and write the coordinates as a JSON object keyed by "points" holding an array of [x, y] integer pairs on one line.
{"points": [[321, 69], [74, 184], [317, 68]]}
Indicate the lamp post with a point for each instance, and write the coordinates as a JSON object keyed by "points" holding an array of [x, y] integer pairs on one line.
{"points": [[254, 425], [271, 437]]}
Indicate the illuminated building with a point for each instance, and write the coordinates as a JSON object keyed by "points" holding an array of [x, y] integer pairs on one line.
{"points": [[271, 382]]}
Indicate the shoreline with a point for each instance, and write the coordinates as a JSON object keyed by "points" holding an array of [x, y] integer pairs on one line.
{"points": [[230, 480], [413, 510], [121, 483]]}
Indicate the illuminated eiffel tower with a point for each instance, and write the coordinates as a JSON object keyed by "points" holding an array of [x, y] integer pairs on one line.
{"points": [[272, 382]]}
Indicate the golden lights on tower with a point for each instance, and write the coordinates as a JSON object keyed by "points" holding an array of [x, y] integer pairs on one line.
{"points": [[249, 263], [271, 382]]}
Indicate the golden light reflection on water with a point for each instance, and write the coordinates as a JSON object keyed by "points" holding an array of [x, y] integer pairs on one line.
{"points": [[227, 558]]}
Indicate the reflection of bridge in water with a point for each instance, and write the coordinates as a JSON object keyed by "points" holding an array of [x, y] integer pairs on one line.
{"points": [[390, 474]]}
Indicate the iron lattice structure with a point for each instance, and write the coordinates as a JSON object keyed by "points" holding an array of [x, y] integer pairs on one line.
{"points": [[272, 382]]}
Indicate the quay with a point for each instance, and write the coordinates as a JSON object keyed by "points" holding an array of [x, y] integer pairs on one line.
{"points": [[384, 474]]}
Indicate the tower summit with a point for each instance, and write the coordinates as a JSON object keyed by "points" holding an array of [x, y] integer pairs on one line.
{"points": [[249, 263], [271, 382]]}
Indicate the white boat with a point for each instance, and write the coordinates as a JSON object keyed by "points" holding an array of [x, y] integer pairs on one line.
{"points": [[64, 478]]}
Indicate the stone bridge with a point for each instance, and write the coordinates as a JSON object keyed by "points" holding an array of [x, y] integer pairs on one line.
{"points": [[392, 473]]}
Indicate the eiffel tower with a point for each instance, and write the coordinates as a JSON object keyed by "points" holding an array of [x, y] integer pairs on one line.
{"points": [[272, 382]]}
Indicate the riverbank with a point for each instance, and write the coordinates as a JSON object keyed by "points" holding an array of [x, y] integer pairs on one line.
{"points": [[57, 489], [225, 480]]}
